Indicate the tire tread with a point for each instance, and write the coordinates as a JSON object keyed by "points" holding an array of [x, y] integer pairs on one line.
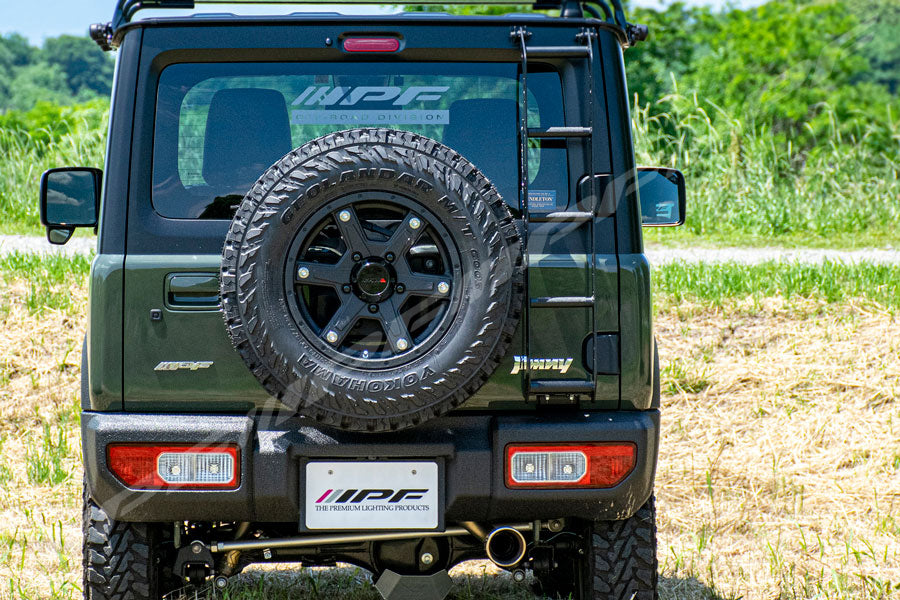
{"points": [[117, 559], [623, 557]]}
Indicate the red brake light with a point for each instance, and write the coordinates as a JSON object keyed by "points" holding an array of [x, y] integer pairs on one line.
{"points": [[373, 44], [175, 466], [569, 466]]}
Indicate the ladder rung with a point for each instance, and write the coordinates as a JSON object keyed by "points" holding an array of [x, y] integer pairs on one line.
{"points": [[557, 51], [561, 386], [562, 302], [562, 217], [560, 132]]}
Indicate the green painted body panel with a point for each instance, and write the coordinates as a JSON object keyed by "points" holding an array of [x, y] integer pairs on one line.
{"points": [[181, 335], [559, 332], [636, 336], [192, 334], [606, 305], [104, 333]]}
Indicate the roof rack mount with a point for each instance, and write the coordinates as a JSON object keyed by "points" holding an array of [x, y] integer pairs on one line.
{"points": [[102, 33]]}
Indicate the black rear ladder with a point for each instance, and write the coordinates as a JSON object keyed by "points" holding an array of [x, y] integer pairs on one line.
{"points": [[569, 388]]}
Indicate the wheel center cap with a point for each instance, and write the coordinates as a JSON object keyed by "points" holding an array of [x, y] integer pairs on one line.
{"points": [[374, 280]]}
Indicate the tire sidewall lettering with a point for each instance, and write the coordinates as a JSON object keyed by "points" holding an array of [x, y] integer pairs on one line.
{"points": [[277, 208]]}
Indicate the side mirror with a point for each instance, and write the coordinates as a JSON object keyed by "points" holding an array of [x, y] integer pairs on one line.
{"points": [[663, 196], [70, 198]]}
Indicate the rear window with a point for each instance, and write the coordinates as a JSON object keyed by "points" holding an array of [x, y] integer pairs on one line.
{"points": [[219, 126]]}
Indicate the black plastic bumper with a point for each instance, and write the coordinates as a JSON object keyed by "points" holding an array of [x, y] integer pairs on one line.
{"points": [[273, 454]]}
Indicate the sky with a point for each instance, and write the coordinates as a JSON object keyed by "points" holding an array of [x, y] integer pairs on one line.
{"points": [[40, 19]]}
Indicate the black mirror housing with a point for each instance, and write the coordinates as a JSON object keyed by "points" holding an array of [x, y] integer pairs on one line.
{"points": [[70, 198], [663, 196]]}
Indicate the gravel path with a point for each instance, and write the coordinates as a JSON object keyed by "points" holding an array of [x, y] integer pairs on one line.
{"points": [[34, 244], [656, 254]]}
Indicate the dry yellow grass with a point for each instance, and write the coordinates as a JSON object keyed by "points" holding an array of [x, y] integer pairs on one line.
{"points": [[779, 475], [40, 523], [780, 467]]}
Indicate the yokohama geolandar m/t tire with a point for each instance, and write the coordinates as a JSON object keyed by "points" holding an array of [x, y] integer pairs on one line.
{"points": [[622, 561], [372, 279], [121, 561], [617, 561]]}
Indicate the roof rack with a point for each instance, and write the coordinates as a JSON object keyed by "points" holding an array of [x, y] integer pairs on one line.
{"points": [[102, 33]]}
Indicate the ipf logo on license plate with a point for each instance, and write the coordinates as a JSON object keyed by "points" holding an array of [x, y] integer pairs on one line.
{"points": [[372, 495]]}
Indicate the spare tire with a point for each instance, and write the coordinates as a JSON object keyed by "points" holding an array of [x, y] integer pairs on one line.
{"points": [[372, 279]]}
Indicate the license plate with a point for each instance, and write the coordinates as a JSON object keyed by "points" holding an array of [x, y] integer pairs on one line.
{"points": [[372, 495]]}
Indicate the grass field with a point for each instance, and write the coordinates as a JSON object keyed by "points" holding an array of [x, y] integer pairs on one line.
{"points": [[747, 188], [779, 476], [56, 136], [744, 188]]}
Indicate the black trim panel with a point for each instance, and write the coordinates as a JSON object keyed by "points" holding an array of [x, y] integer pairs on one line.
{"points": [[471, 448]]}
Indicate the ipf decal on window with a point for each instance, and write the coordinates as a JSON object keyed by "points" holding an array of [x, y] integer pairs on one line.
{"points": [[333, 99]]}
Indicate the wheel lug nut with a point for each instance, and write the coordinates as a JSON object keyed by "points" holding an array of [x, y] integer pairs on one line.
{"points": [[356, 257], [302, 272], [344, 215], [346, 288], [389, 257], [402, 344], [400, 288], [415, 223], [332, 337], [443, 287], [373, 308]]}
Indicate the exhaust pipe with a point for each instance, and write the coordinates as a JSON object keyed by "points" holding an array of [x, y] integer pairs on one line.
{"points": [[505, 546]]}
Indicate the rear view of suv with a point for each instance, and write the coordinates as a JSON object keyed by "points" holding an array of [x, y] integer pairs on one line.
{"points": [[369, 290]]}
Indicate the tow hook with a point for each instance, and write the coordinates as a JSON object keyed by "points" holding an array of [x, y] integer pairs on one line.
{"points": [[194, 563]]}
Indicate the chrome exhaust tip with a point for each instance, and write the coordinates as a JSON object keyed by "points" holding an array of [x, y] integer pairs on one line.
{"points": [[505, 547]]}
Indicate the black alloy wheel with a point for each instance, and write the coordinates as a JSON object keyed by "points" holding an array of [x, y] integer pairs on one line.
{"points": [[372, 275]]}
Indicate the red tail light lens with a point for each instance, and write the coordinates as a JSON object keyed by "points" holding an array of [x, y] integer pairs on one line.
{"points": [[178, 466], [373, 44], [569, 466]]}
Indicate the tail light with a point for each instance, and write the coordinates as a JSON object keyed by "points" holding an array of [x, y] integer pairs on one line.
{"points": [[180, 466], [372, 44], [569, 466]]}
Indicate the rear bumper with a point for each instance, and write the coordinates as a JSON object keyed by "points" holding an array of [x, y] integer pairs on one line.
{"points": [[273, 452]]}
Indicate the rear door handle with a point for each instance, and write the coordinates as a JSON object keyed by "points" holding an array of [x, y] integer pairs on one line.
{"points": [[192, 291]]}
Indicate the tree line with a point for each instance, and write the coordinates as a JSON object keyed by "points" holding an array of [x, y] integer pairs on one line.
{"points": [[786, 63], [785, 117], [803, 69], [66, 69]]}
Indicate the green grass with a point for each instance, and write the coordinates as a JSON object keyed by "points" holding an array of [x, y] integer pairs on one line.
{"points": [[32, 142], [45, 276], [46, 269], [6, 473], [746, 188], [743, 187], [44, 457], [829, 281]]}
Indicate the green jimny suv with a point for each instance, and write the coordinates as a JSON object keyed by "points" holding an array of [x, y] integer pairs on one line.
{"points": [[368, 289]]}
